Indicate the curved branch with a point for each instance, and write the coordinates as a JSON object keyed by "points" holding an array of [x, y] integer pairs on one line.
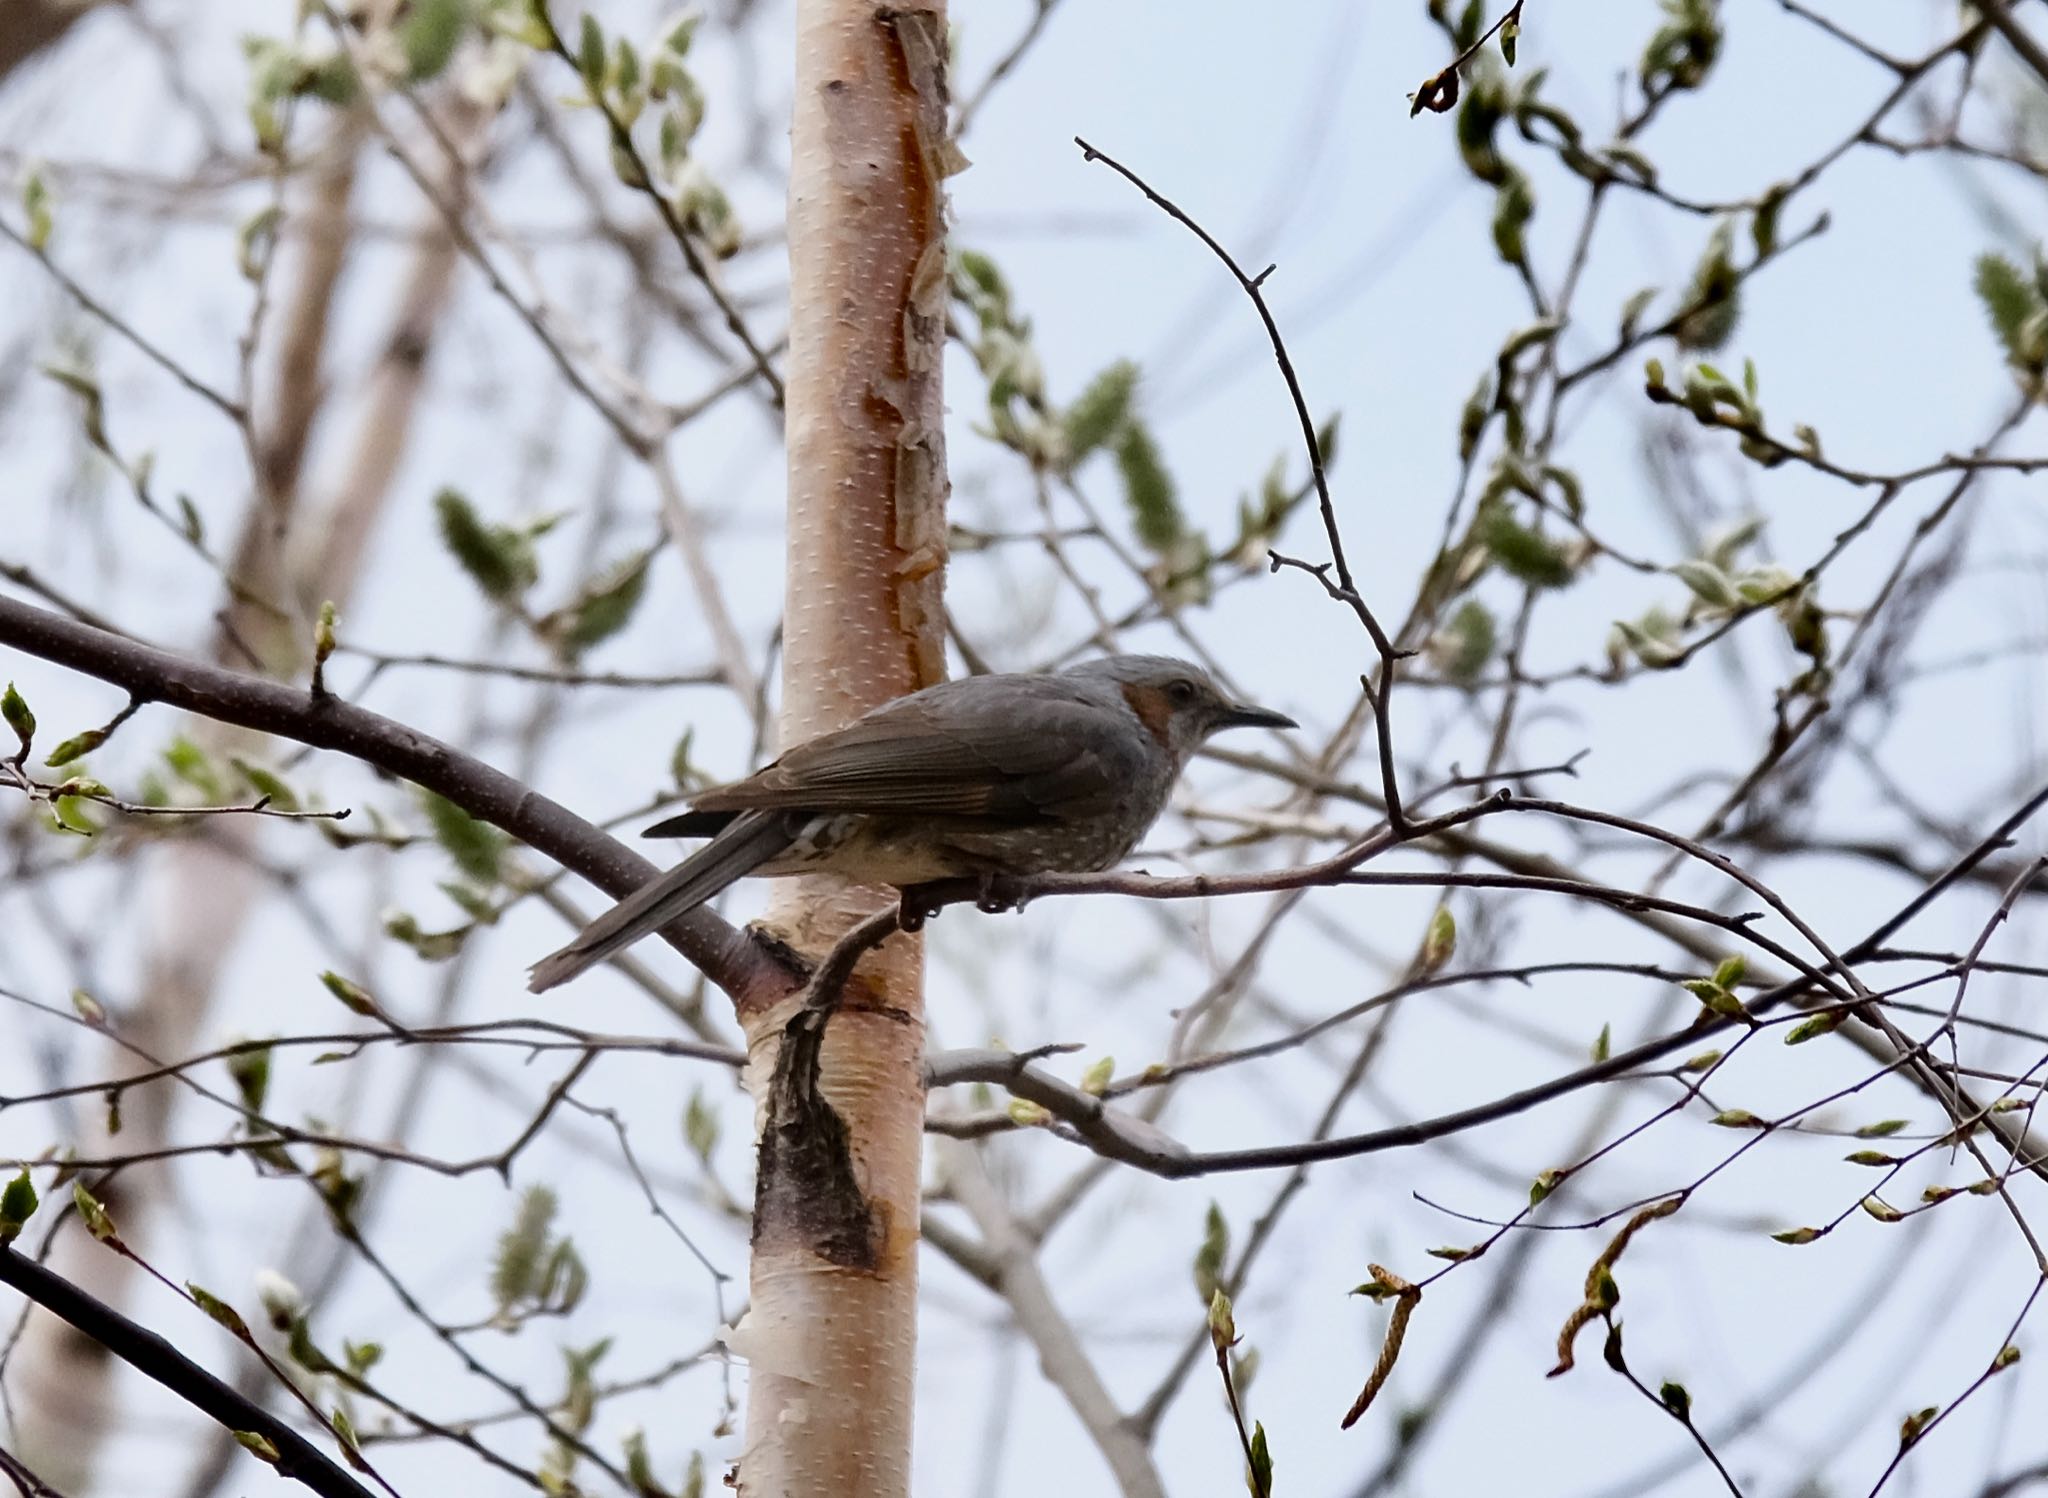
{"points": [[726, 955]]}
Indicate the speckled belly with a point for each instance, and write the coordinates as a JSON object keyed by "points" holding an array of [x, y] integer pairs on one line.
{"points": [[902, 851]]}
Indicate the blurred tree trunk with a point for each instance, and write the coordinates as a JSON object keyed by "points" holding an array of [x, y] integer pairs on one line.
{"points": [[831, 1335], [30, 27], [285, 557]]}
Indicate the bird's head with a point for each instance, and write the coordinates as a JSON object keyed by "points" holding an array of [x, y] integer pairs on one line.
{"points": [[1179, 703]]}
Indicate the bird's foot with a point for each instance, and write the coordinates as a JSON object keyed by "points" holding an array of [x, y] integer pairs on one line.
{"points": [[997, 893], [914, 907]]}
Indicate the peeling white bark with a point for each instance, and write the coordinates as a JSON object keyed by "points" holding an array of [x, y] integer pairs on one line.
{"points": [[831, 1343]]}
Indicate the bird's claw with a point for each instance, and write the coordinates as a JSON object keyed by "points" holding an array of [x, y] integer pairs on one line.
{"points": [[996, 894], [914, 908]]}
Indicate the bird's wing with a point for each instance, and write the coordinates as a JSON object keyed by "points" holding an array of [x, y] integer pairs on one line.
{"points": [[1032, 753]]}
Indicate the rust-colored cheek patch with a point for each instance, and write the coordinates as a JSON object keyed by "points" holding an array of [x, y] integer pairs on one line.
{"points": [[1150, 705]]}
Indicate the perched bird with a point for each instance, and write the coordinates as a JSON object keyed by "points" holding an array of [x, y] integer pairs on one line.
{"points": [[985, 777]]}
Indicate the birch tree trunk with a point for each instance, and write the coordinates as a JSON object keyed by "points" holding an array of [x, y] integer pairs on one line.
{"points": [[831, 1336]]}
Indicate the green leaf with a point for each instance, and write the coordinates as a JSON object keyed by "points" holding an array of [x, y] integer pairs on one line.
{"points": [[700, 1126], [1683, 50], [1211, 1255], [1730, 971], [706, 210], [18, 1202], [1633, 309], [1797, 1236], [1095, 1080], [195, 767], [1222, 1323], [97, 1222], [1719, 1000], [354, 997], [978, 281], [1261, 1481], [605, 606], [1709, 583], [258, 1444], [1244, 1366], [2011, 300], [1820, 1024], [268, 784], [1677, 1400], [522, 1249], [523, 21], [477, 847], [1513, 207], [474, 903], [1913, 1425], [1439, 942], [1099, 413], [250, 1072], [1736, 1118], [76, 747], [1510, 32], [498, 559], [15, 711], [564, 1280], [625, 78], [1603, 1046], [1533, 335], [81, 383], [590, 55], [1884, 1128], [639, 1468], [1546, 1182], [1713, 300], [1472, 417], [35, 204], [1148, 489], [1522, 553], [219, 1310], [1763, 228], [1870, 1157], [580, 1402], [1465, 646], [255, 241], [679, 31], [428, 35]]}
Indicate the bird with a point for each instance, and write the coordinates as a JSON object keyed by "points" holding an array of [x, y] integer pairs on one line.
{"points": [[998, 776]]}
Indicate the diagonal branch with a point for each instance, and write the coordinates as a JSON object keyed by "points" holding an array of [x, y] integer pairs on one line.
{"points": [[726, 955], [150, 1355]]}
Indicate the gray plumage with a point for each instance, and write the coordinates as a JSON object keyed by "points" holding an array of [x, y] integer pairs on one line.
{"points": [[987, 776]]}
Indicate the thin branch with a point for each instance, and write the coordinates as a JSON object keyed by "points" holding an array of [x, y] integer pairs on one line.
{"points": [[730, 958], [150, 1355]]}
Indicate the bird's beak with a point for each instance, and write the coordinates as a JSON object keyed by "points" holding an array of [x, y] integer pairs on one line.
{"points": [[1244, 715]]}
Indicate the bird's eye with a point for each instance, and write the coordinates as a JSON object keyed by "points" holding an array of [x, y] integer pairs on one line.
{"points": [[1180, 693]]}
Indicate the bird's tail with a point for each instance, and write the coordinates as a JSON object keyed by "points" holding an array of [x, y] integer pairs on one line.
{"points": [[748, 842]]}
